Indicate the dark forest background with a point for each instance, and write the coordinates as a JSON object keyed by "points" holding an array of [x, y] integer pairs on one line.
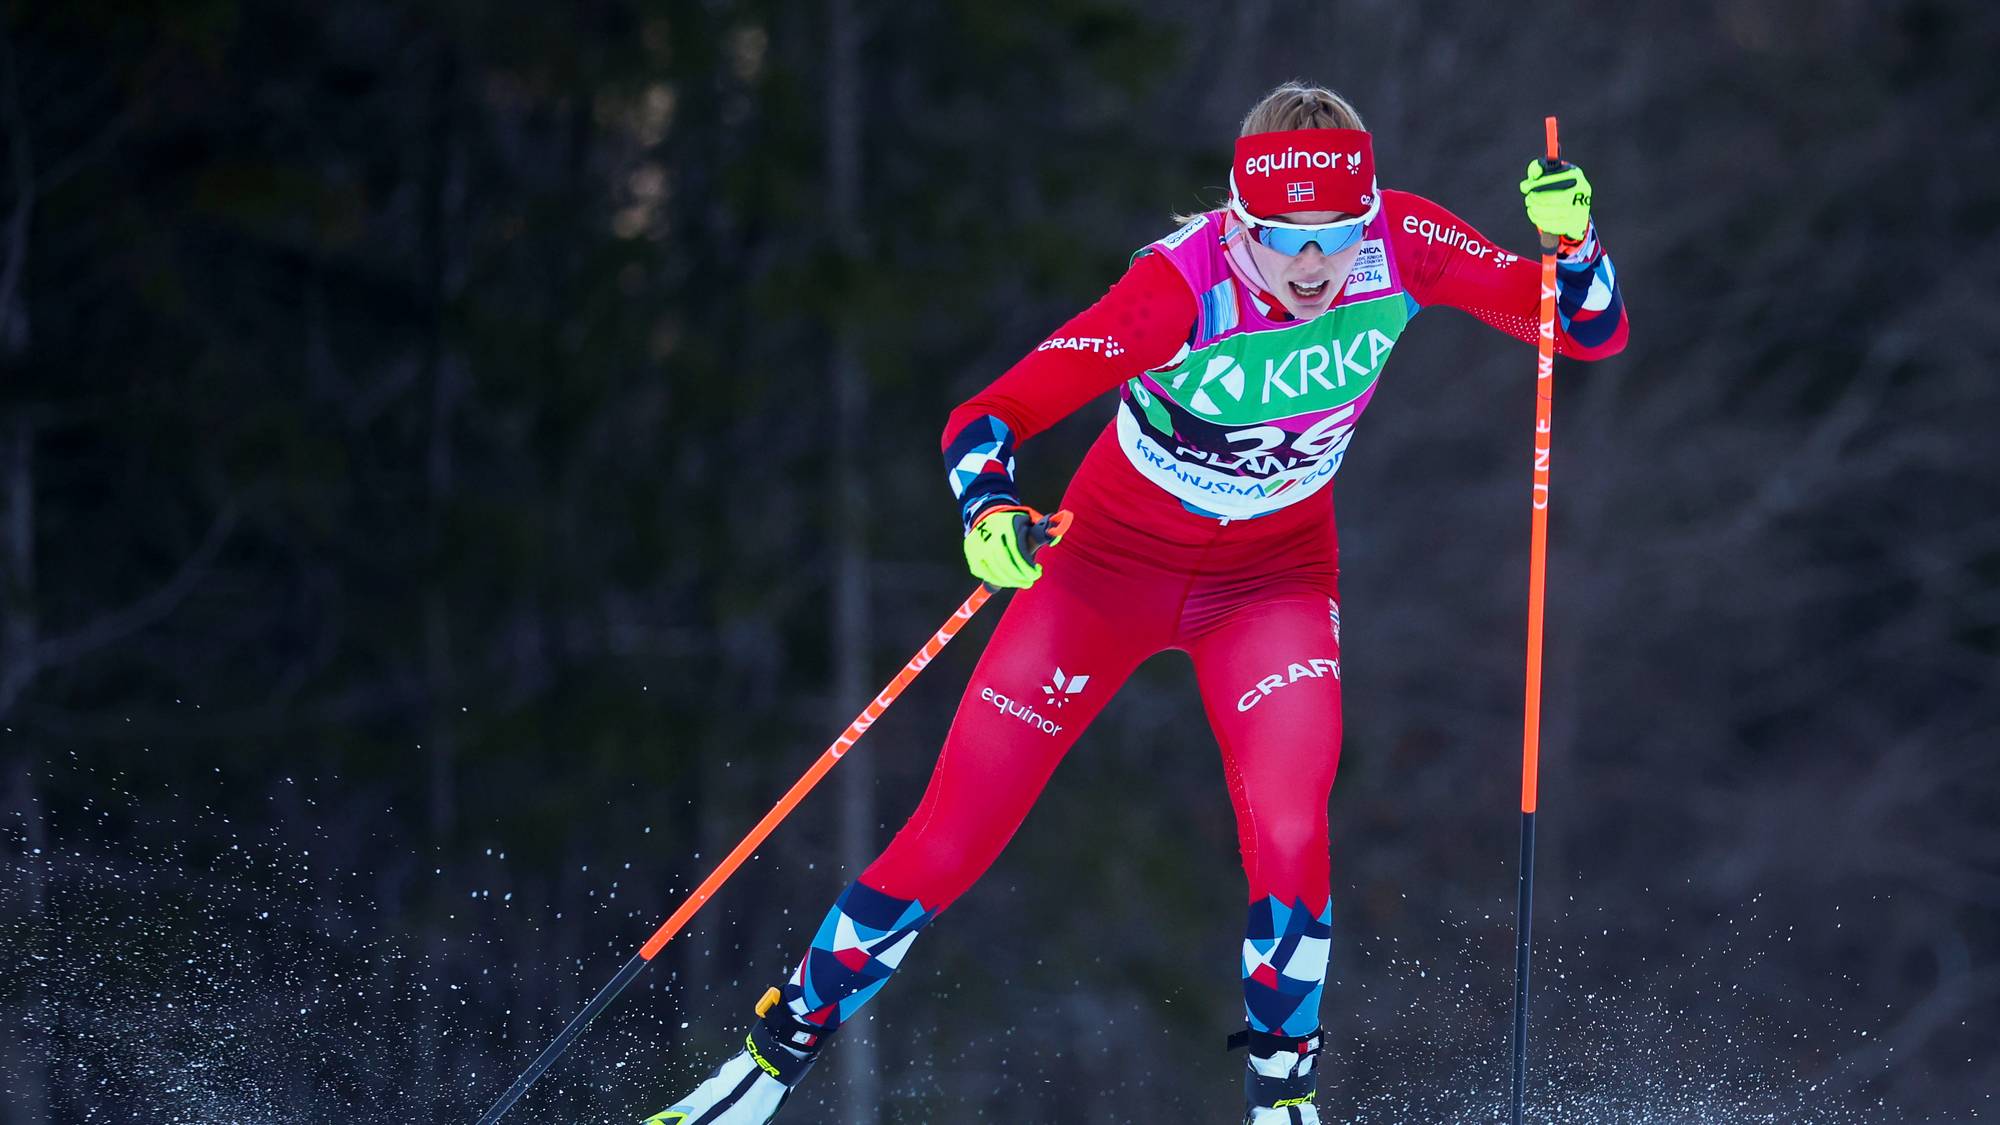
{"points": [[461, 461]]}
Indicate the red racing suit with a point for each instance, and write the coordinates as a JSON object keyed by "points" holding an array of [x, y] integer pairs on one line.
{"points": [[1155, 561]]}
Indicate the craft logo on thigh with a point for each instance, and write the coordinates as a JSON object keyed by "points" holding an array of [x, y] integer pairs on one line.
{"points": [[1021, 711], [1298, 670]]}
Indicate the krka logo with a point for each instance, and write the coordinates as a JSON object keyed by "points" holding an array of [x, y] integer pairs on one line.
{"points": [[1223, 367], [1292, 375]]}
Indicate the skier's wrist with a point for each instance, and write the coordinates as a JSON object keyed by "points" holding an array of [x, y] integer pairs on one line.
{"points": [[975, 508], [1578, 255]]}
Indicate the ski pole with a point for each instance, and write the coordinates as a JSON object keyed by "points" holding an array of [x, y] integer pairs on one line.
{"points": [[1531, 726], [1041, 533]]}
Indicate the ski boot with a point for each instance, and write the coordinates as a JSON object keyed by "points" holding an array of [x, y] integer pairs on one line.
{"points": [[749, 1087], [1278, 1080]]}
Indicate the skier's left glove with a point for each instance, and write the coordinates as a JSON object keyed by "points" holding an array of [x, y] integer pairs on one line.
{"points": [[1558, 199], [1000, 550]]}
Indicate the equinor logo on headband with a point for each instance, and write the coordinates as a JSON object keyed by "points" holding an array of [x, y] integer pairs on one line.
{"points": [[1286, 161]]}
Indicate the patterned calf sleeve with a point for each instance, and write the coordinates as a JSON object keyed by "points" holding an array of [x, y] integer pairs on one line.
{"points": [[1285, 952], [862, 940]]}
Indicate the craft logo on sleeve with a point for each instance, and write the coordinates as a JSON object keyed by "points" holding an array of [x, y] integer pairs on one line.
{"points": [[1370, 271], [1102, 345]]}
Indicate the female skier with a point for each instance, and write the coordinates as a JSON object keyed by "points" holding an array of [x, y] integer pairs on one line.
{"points": [[1245, 345]]}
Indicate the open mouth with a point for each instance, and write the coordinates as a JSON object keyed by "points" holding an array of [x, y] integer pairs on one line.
{"points": [[1308, 292]]}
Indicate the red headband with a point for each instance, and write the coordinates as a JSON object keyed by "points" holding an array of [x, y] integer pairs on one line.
{"points": [[1304, 170]]}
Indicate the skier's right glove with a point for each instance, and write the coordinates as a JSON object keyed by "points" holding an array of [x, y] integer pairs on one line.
{"points": [[1000, 548]]}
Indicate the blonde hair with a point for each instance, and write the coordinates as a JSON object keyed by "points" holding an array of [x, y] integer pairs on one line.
{"points": [[1294, 105]]}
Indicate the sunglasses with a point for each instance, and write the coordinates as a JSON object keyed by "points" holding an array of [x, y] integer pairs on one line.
{"points": [[1292, 238]]}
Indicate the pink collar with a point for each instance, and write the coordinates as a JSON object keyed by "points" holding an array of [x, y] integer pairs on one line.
{"points": [[1236, 248]]}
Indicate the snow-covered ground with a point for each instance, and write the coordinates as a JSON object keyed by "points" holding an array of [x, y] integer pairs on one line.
{"points": [[181, 967]]}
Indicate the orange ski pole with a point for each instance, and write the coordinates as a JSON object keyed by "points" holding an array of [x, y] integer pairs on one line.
{"points": [[1531, 726], [1043, 532]]}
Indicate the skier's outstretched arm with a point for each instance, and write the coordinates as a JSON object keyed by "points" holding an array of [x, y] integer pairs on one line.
{"points": [[1445, 261], [1139, 325]]}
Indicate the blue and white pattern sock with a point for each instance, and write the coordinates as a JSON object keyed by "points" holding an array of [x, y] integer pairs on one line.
{"points": [[1285, 955], [861, 942]]}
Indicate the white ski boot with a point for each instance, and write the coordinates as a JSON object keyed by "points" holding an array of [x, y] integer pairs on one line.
{"points": [[752, 1084], [1279, 1082]]}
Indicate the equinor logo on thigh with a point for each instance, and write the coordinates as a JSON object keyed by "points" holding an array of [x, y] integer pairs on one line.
{"points": [[1021, 711]]}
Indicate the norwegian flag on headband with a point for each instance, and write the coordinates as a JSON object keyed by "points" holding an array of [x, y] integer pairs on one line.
{"points": [[1332, 169]]}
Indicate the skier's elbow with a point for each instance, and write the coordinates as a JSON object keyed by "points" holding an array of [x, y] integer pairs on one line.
{"points": [[1579, 344]]}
